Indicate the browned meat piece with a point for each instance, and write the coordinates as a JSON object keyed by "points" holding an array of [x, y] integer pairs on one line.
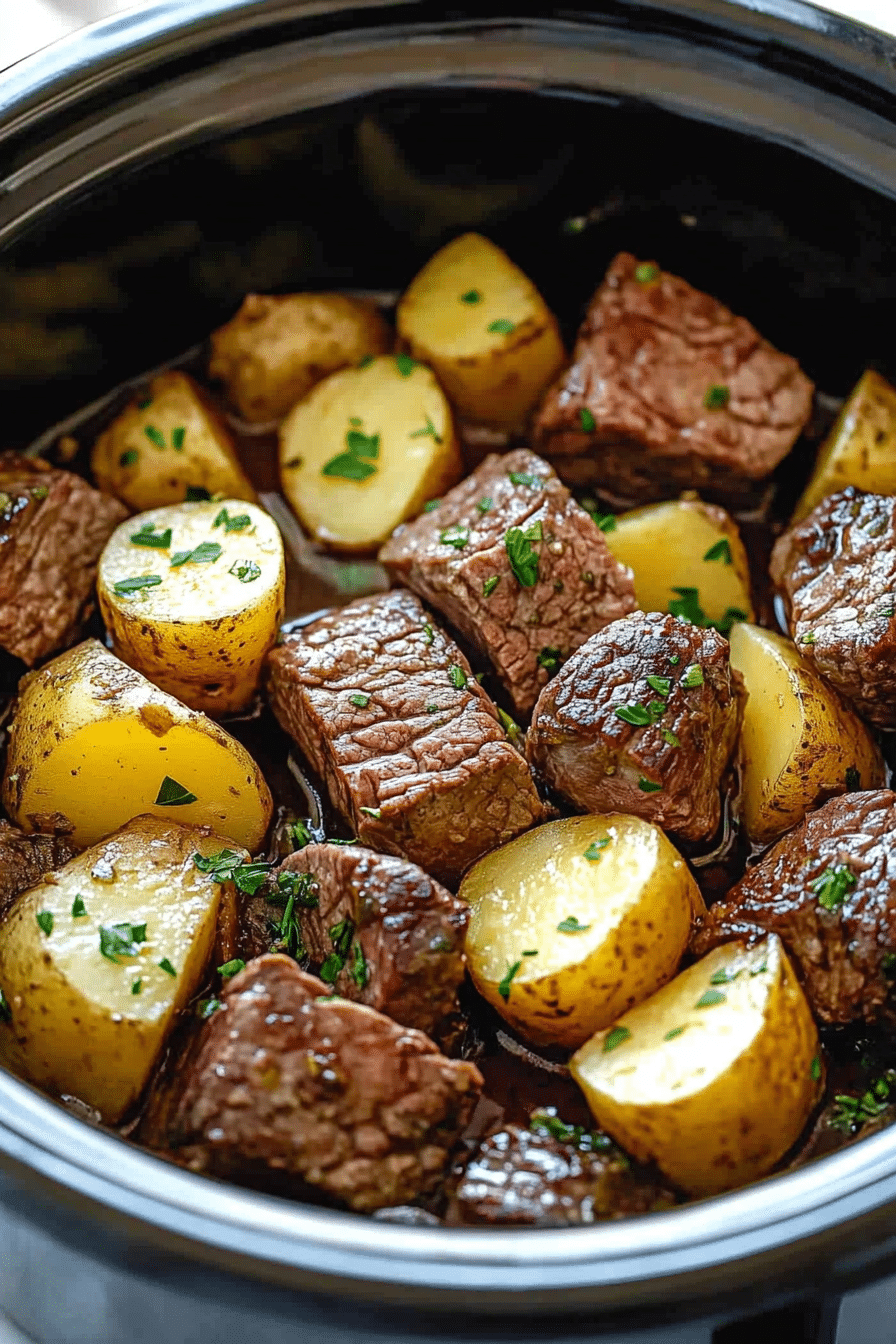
{"points": [[386, 709], [383, 931], [288, 1078], [837, 571], [828, 889], [522, 1178], [643, 719], [669, 390], [25, 859], [53, 527], [526, 603]]}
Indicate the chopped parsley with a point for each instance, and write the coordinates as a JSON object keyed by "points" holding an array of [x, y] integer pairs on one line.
{"points": [[676, 1031], [526, 478], [850, 1113], [136, 986], [229, 866], [299, 835], [832, 886], [129, 457], [235, 524], [618, 1036], [502, 326], [711, 998], [144, 404], [489, 585], [405, 365], [586, 420], [351, 465], [720, 550], [550, 658], [178, 434], [203, 554], [456, 535], [547, 1122], [341, 936], [366, 362], [605, 521], [298, 887], [289, 930], [148, 536], [232, 968], [808, 638], [674, 658], [723, 976], [359, 970], [484, 504], [165, 965], [815, 1069], [457, 676], [5, 1010], [154, 435], [647, 273], [692, 676], [533, 952], [636, 714], [428, 634], [853, 779], [523, 559], [172, 794], [662, 685], [669, 737], [504, 986], [197, 493], [431, 505], [571, 925], [427, 432], [648, 786], [45, 921], [687, 606], [593, 852], [511, 727], [375, 812], [245, 570], [206, 1007], [121, 940], [471, 296], [717, 397], [126, 586], [79, 909], [359, 700]]}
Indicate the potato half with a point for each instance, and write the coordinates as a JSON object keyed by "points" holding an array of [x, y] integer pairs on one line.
{"points": [[164, 443], [89, 1020], [572, 923], [861, 448], [715, 1076], [685, 544], [481, 324], [93, 744], [366, 449], [278, 346], [801, 743], [203, 627]]}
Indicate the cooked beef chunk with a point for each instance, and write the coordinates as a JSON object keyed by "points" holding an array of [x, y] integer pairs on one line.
{"points": [[386, 709], [643, 719], [669, 390], [828, 889], [383, 931], [290, 1079], [53, 527], [523, 601], [522, 1178], [837, 571], [25, 859]]}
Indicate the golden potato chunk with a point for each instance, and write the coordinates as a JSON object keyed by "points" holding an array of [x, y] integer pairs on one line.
{"points": [[192, 596], [165, 443], [576, 921], [685, 554], [276, 348], [96, 963], [861, 448], [715, 1076], [93, 744], [481, 324], [366, 449], [801, 743]]}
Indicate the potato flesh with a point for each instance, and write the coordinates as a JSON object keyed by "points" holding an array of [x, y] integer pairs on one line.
{"points": [[416, 456], [799, 738], [635, 897], [78, 1026], [492, 376], [666, 545], [861, 448], [714, 1094], [137, 460], [94, 741], [203, 632]]}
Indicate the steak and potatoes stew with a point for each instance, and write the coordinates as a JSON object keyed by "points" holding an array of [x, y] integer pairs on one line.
{"points": [[445, 777]]}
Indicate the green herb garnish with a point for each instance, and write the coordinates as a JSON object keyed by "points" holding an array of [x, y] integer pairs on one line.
{"points": [[815, 1069], [502, 326], [245, 570], [178, 435], [618, 1036], [166, 966], [5, 1010], [669, 737], [648, 786], [832, 886], [526, 478], [405, 365], [523, 559], [471, 296], [504, 986], [710, 999], [154, 435], [571, 925], [126, 586], [586, 419], [431, 505], [361, 701], [427, 432], [235, 524], [550, 658], [647, 273], [456, 535], [229, 866], [692, 676], [720, 550], [428, 633], [197, 493], [79, 909], [232, 968], [593, 851], [717, 397], [457, 676], [676, 1031], [136, 986], [588, 1141], [489, 585], [121, 940], [662, 685], [206, 1007], [635, 714], [172, 794], [375, 812], [853, 779], [45, 921], [359, 970], [203, 554], [605, 521], [148, 536], [129, 457], [484, 504]]}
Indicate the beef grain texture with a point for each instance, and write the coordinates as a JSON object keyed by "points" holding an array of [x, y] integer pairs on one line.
{"points": [[25, 860], [524, 631], [645, 360], [520, 1178], [837, 571], [386, 709], [600, 763], [409, 931], [53, 528], [289, 1079], [846, 956]]}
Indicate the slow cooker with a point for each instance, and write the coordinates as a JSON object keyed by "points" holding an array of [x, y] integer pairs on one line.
{"points": [[153, 169]]}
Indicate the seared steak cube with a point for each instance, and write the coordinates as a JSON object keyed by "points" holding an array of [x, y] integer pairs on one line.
{"points": [[828, 889], [25, 859], [53, 527], [387, 710], [288, 1078], [378, 929], [643, 719], [669, 390], [516, 566], [837, 571]]}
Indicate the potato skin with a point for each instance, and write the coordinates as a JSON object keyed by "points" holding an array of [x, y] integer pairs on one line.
{"points": [[78, 1027], [92, 742], [202, 634], [860, 449], [274, 350], [634, 897], [127, 461], [714, 1094], [491, 376], [799, 741]]}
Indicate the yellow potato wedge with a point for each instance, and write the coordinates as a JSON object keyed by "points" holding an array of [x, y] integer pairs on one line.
{"points": [[861, 448], [481, 324], [365, 450], [576, 921], [715, 1076], [164, 443], [97, 961], [93, 744], [685, 545], [800, 742], [211, 603], [276, 348]]}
